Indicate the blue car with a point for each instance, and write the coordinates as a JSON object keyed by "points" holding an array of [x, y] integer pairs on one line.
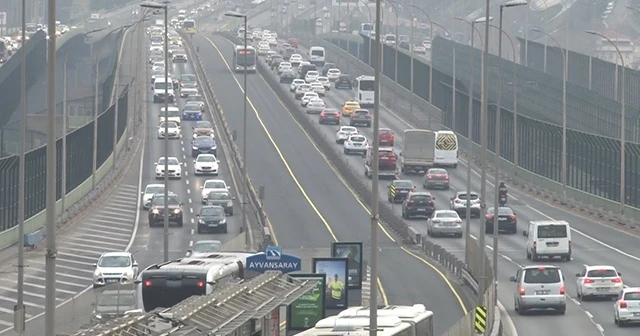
{"points": [[191, 112], [203, 145]]}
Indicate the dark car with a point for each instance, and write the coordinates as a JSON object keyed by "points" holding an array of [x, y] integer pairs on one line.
{"points": [[287, 53], [287, 76], [196, 99], [343, 82], [398, 190], [329, 116], [404, 45], [275, 61], [326, 68], [203, 145], [112, 303], [156, 210], [507, 220], [188, 79], [302, 72], [191, 111], [223, 199], [436, 178], [418, 203], [360, 117], [212, 218]]}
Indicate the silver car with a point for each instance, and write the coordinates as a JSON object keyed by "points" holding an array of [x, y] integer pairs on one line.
{"points": [[315, 106], [357, 144], [460, 200], [203, 248], [539, 287], [444, 223], [149, 191]]}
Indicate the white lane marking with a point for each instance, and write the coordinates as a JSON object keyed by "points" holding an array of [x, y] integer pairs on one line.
{"points": [[588, 313], [187, 183], [192, 230], [191, 210], [192, 221], [191, 243], [188, 191], [190, 201]]}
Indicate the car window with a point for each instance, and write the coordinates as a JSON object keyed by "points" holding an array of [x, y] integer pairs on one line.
{"points": [[472, 197], [437, 172], [357, 138], [542, 275], [207, 247], [172, 161], [447, 214], [403, 184], [206, 158], [629, 296], [552, 231], [422, 198], [502, 211], [212, 212], [604, 273], [219, 196], [159, 200], [203, 140], [114, 261]]}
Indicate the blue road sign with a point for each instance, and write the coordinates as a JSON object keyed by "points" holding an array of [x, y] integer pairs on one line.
{"points": [[272, 259]]}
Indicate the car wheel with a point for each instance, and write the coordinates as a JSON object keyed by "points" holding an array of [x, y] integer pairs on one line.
{"points": [[528, 255], [346, 152], [561, 311]]}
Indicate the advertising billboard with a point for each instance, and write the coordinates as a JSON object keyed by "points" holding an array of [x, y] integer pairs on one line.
{"points": [[307, 310], [353, 252], [336, 273]]}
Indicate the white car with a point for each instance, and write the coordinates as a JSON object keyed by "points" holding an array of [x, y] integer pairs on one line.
{"points": [[356, 143], [213, 185], [175, 168], [263, 44], [173, 115], [302, 89], [295, 60], [284, 66], [311, 76], [262, 51], [315, 106], [203, 248], [173, 130], [333, 74], [344, 132], [149, 191], [419, 49], [325, 82], [444, 222], [157, 68], [598, 281], [307, 97], [459, 203], [206, 164], [627, 306], [294, 85], [115, 268], [318, 88], [188, 90], [272, 41]]}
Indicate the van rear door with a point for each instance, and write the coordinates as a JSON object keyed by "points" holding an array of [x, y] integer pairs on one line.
{"points": [[553, 239]]}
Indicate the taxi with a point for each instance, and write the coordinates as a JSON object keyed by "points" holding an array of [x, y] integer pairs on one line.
{"points": [[350, 106]]}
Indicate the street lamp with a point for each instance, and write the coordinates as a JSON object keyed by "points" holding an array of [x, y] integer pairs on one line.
{"points": [[430, 56], [245, 186], [395, 11], [164, 6], [370, 22], [564, 110], [623, 125]]}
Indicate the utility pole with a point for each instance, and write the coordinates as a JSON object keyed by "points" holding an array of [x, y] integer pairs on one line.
{"points": [[63, 184], [96, 107]]}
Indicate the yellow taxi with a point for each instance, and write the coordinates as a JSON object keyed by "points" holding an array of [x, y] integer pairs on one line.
{"points": [[349, 106]]}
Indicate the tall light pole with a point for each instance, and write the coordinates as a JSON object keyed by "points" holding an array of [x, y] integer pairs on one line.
{"points": [[96, 108], [245, 179], [51, 252], [164, 6], [370, 22], [375, 179], [565, 60], [395, 45], [623, 126], [63, 183], [430, 52]]}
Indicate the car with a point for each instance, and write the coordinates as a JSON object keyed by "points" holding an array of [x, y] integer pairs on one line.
{"points": [[175, 168], [196, 99], [191, 111], [187, 89], [295, 60], [539, 287], [270, 55], [436, 178], [360, 117], [156, 74], [115, 268], [156, 210], [203, 144], [284, 46], [349, 106], [627, 306], [325, 82], [223, 199], [294, 85], [329, 116], [113, 303], [203, 127], [172, 114], [459, 203], [149, 191], [275, 61], [272, 41], [188, 78], [419, 49], [343, 82], [288, 52], [326, 67], [179, 57], [315, 106], [598, 282], [386, 137], [283, 66], [311, 76], [343, 133], [307, 97], [355, 144], [172, 129], [398, 190], [206, 164], [293, 42], [318, 88], [287, 76], [443, 223], [212, 185], [507, 220], [211, 218], [548, 239], [203, 248], [302, 89], [263, 50], [334, 75]]}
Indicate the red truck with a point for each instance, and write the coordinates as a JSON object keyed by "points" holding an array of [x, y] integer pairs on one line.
{"points": [[387, 162]]}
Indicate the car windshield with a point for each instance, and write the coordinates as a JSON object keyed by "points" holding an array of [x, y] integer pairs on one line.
{"points": [[472, 197], [158, 73], [169, 124], [552, 231], [116, 300], [446, 214], [188, 78], [358, 138], [203, 124], [159, 200], [172, 161], [204, 247], [203, 141], [192, 108], [602, 273], [403, 184], [221, 196], [189, 85], [437, 172], [206, 158], [541, 275], [212, 212], [114, 261], [154, 190], [215, 185], [502, 211]]}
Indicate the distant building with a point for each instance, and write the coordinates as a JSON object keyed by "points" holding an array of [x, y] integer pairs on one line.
{"points": [[630, 52]]}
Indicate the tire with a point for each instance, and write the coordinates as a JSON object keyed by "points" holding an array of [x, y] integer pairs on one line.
{"points": [[455, 165], [562, 310], [198, 230], [346, 152], [534, 256]]}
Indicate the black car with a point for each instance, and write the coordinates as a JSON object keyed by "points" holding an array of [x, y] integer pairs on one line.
{"points": [[302, 72], [398, 190], [223, 199], [275, 62], [343, 82], [507, 220], [287, 53], [326, 68], [329, 116], [287, 76], [360, 117], [419, 203], [156, 210], [203, 145], [212, 218]]}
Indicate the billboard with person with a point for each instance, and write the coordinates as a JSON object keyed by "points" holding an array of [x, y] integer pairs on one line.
{"points": [[353, 252], [336, 273]]}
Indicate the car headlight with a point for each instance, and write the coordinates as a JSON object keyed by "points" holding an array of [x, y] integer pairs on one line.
{"points": [[201, 221], [224, 221], [176, 211], [155, 211], [194, 147], [98, 316]]}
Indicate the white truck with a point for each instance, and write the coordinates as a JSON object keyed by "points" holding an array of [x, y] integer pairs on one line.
{"points": [[418, 151]]}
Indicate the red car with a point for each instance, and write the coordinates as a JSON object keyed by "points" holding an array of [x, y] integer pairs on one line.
{"points": [[386, 137], [293, 43]]}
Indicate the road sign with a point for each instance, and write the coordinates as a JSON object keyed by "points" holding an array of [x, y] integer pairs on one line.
{"points": [[481, 319], [3, 19], [272, 259], [392, 190]]}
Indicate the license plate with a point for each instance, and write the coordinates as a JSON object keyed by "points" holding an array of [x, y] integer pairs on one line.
{"points": [[602, 289], [636, 314], [502, 219], [542, 292], [112, 280], [422, 209], [212, 225]]}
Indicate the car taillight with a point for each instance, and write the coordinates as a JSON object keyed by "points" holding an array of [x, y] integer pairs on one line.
{"points": [[410, 202], [623, 304], [446, 177], [562, 290], [512, 217], [349, 142], [489, 217], [201, 283], [323, 114], [436, 221], [522, 291], [147, 283], [588, 281], [616, 280], [458, 201], [368, 116], [429, 177]]}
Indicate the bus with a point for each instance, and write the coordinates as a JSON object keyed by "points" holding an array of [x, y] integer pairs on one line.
{"points": [[166, 284], [244, 60], [189, 26], [417, 315], [446, 152], [4, 51], [359, 326], [366, 29], [364, 86]]}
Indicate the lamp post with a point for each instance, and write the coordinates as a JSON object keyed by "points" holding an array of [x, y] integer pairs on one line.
{"points": [[623, 125], [370, 21], [563, 173], [164, 6], [430, 55], [395, 45], [245, 186]]}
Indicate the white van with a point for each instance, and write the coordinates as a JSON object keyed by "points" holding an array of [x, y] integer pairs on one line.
{"points": [[317, 56], [158, 90], [549, 238]]}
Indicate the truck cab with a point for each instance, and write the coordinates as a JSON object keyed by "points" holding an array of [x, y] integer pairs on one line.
{"points": [[387, 162]]}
